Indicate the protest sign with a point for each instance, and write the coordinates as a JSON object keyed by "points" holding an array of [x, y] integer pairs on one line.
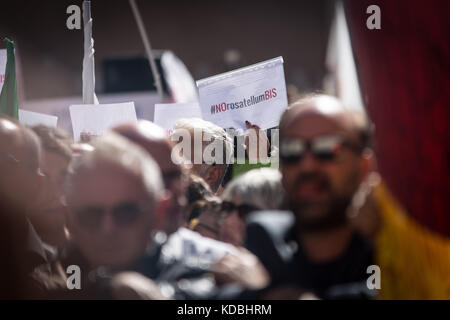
{"points": [[166, 114], [256, 93], [30, 118], [2, 67], [96, 119]]}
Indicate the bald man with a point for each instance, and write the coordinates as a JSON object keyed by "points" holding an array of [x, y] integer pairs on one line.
{"points": [[155, 141], [324, 157], [19, 166], [20, 184]]}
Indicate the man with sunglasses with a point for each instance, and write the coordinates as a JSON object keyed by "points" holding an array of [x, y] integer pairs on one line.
{"points": [[115, 201], [324, 157]]}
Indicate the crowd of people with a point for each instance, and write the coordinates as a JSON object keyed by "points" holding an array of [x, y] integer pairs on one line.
{"points": [[117, 218]]}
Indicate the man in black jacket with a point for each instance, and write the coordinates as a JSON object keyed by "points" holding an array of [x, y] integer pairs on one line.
{"points": [[324, 157]]}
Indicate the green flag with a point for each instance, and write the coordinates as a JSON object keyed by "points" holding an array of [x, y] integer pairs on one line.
{"points": [[8, 97]]}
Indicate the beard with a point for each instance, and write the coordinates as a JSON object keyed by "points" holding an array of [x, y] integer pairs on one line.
{"points": [[322, 215]]}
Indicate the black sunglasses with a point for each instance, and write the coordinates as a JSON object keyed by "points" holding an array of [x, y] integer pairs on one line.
{"points": [[323, 148], [243, 209], [123, 214]]}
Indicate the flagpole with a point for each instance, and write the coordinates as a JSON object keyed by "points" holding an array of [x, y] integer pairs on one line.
{"points": [[148, 49], [89, 96]]}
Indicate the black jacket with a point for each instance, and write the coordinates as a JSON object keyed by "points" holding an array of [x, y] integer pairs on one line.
{"points": [[271, 236]]}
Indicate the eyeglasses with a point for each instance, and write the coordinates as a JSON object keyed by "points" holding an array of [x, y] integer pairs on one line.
{"points": [[323, 148], [123, 214], [243, 209]]}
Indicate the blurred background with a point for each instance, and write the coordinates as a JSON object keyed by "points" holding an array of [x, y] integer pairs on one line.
{"points": [[209, 37]]}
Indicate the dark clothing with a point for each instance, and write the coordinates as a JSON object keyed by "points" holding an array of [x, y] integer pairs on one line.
{"points": [[271, 236], [26, 271], [95, 284]]}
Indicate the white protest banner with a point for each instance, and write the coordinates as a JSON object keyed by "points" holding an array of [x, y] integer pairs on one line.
{"points": [[256, 93], [3, 58], [166, 114], [95, 119], [30, 118]]}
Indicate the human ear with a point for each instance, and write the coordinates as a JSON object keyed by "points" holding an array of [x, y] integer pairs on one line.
{"points": [[213, 175], [368, 163], [162, 210]]}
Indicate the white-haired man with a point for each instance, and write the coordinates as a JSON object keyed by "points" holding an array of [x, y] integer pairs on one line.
{"points": [[206, 146]]}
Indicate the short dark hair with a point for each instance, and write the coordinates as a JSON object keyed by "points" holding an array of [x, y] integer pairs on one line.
{"points": [[197, 189]]}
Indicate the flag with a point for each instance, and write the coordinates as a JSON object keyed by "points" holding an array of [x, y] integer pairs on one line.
{"points": [[342, 80], [89, 96], [8, 97]]}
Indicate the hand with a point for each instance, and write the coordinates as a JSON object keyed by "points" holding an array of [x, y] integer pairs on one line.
{"points": [[261, 142], [85, 136], [243, 268], [135, 286]]}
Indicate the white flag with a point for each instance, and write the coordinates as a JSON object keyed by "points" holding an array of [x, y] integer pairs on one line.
{"points": [[178, 78], [343, 79], [89, 96], [2, 67]]}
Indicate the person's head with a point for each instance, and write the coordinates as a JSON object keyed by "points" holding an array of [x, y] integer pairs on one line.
{"points": [[47, 215], [197, 189], [155, 141], [113, 194], [324, 156], [205, 217], [258, 189], [206, 139], [21, 178]]}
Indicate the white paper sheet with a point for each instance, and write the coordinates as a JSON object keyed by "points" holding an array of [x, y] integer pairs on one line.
{"points": [[30, 118], [256, 93], [3, 58], [96, 119], [166, 114]]}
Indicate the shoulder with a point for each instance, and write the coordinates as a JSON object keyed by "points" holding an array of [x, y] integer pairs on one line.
{"points": [[267, 236], [275, 225]]}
